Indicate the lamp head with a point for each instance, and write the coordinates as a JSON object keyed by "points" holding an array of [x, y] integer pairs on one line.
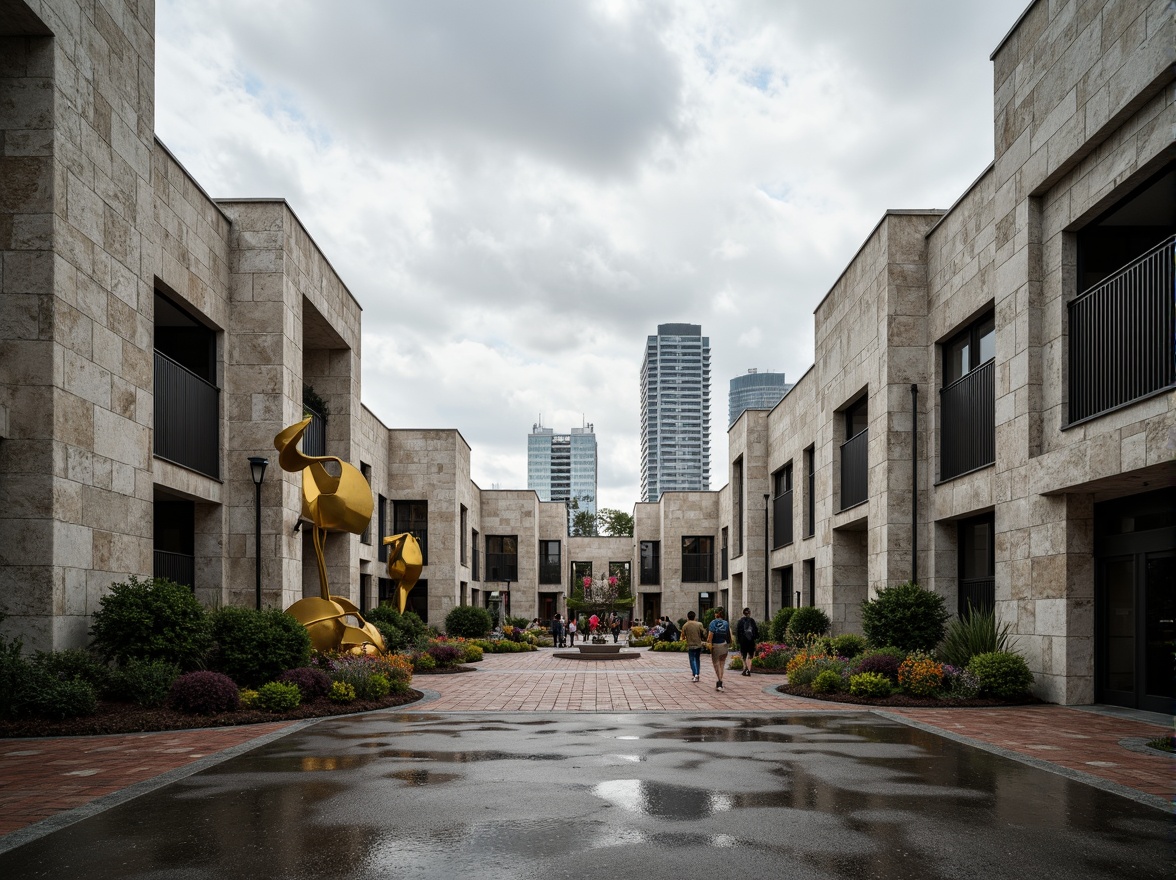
{"points": [[257, 466]]}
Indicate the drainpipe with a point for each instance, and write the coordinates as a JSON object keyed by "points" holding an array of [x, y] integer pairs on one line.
{"points": [[914, 483]]}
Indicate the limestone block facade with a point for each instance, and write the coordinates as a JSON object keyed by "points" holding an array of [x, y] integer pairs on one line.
{"points": [[963, 423]]}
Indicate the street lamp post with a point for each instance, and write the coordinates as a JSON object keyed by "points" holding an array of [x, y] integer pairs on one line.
{"points": [[257, 466], [767, 566]]}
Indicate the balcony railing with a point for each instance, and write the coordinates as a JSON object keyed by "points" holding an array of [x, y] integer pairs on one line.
{"points": [[698, 568], [178, 567], [314, 439], [1121, 331], [979, 593], [855, 469], [187, 418], [967, 409], [782, 519], [502, 567]]}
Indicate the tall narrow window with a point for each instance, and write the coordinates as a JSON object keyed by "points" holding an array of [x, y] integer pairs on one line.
{"points": [[382, 526], [786, 588], [737, 507], [977, 563], [550, 566], [723, 556], [651, 562], [366, 471], [413, 517], [463, 533], [967, 400], [810, 494], [810, 580], [475, 569], [782, 506], [855, 455]]}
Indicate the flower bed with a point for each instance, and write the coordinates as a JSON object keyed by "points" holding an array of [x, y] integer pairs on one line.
{"points": [[115, 717], [904, 701]]}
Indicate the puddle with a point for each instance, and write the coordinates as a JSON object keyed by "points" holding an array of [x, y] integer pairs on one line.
{"points": [[423, 777], [472, 757], [660, 800]]}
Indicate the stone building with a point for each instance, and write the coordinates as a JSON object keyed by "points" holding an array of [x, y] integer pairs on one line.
{"points": [[990, 410]]}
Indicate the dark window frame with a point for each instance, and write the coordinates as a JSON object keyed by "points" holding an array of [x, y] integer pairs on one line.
{"points": [[979, 334], [502, 564], [698, 564]]}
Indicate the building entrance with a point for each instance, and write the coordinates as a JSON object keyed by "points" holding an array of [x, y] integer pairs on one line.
{"points": [[1135, 601]]}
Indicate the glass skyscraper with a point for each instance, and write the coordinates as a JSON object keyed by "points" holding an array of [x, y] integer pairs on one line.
{"points": [[675, 411], [755, 390], [561, 467]]}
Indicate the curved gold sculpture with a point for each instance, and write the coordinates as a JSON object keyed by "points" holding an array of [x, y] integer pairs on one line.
{"points": [[404, 564], [340, 503]]}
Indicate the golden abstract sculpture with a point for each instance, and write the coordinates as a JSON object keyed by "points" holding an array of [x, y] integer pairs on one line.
{"points": [[404, 564], [341, 503]]}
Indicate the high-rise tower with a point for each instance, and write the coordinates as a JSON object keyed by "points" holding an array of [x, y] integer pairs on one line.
{"points": [[561, 467], [755, 390], [675, 411]]}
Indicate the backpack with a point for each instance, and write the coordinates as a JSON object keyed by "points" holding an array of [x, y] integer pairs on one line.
{"points": [[746, 629]]}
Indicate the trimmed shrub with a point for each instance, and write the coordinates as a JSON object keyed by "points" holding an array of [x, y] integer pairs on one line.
{"points": [[471, 653], [974, 633], [74, 663], [14, 670], [204, 693], [400, 631], [469, 622], [49, 697], [1002, 674], [827, 682], [905, 616], [145, 682], [356, 670], [779, 628], [960, 683], [869, 684], [806, 621], [884, 661], [312, 683], [847, 645], [444, 655], [153, 619], [257, 646], [248, 698], [277, 696], [423, 662], [341, 692], [376, 687], [920, 675]]}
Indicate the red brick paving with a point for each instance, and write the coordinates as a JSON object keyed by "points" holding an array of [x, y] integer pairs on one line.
{"points": [[41, 777]]}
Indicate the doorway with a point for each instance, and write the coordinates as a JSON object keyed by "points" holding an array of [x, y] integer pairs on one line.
{"points": [[1135, 601]]}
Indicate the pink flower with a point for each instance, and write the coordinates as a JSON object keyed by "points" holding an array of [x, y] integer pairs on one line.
{"points": [[612, 581], [587, 581]]}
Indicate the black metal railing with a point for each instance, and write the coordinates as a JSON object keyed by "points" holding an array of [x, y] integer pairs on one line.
{"points": [[967, 410], [855, 470], [723, 565], [502, 567], [314, 438], [187, 417], [698, 568], [1121, 345], [782, 519], [979, 593], [550, 571], [178, 567]]}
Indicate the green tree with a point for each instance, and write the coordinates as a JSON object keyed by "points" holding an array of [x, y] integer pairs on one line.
{"points": [[615, 523]]}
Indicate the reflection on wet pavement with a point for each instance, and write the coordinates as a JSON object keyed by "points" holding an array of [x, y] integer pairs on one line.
{"points": [[414, 795]]}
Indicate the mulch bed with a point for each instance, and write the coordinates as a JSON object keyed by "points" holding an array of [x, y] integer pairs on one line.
{"points": [[114, 717], [904, 701], [447, 670]]}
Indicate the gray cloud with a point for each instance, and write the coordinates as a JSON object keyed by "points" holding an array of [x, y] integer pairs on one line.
{"points": [[519, 192]]}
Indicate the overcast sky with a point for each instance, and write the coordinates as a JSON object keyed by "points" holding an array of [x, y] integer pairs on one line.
{"points": [[519, 191]]}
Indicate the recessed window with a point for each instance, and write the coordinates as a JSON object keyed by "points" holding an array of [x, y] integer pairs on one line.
{"points": [[968, 349]]}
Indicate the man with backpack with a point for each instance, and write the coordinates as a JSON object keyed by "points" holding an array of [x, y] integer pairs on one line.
{"points": [[747, 634]]}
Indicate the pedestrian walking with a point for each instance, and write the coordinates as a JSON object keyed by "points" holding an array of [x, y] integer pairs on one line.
{"points": [[747, 634], [719, 639], [615, 625], [693, 632], [557, 631], [572, 629]]}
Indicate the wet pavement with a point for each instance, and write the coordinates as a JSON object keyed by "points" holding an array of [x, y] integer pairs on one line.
{"points": [[793, 794]]}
